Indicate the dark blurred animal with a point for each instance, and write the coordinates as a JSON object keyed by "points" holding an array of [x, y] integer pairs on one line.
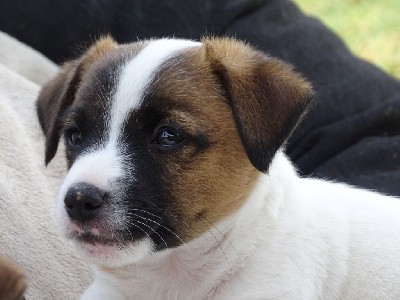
{"points": [[12, 280]]}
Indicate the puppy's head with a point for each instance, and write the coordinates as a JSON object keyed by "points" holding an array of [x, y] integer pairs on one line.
{"points": [[163, 138]]}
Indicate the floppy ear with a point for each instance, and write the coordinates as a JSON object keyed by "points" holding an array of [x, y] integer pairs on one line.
{"points": [[59, 94], [54, 98], [267, 97]]}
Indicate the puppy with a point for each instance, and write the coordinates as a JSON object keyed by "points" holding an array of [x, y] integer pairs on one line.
{"points": [[177, 186]]}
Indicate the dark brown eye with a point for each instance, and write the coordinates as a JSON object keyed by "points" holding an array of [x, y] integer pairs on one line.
{"points": [[73, 137], [167, 137]]}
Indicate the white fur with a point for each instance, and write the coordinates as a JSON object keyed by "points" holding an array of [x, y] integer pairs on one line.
{"points": [[103, 165], [295, 238]]}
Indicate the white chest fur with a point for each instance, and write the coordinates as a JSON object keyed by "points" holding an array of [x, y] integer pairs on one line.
{"points": [[294, 239]]}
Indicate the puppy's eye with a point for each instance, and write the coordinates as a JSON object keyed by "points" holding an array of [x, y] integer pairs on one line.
{"points": [[168, 137], [73, 137]]}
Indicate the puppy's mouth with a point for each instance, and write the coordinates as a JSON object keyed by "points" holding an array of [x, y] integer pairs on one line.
{"points": [[92, 239], [95, 235]]}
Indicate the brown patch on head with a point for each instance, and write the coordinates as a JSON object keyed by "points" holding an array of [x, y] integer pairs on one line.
{"points": [[267, 97], [12, 280], [246, 105], [99, 49]]}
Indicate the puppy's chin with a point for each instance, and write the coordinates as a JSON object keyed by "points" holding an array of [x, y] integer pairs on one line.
{"points": [[101, 246], [114, 254]]}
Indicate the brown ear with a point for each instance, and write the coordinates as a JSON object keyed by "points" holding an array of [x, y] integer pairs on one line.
{"points": [[267, 97], [58, 94]]}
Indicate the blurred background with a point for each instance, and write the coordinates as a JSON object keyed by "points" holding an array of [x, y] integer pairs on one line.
{"points": [[371, 28]]}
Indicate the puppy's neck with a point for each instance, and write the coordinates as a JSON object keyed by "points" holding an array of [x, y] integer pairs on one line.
{"points": [[216, 256]]}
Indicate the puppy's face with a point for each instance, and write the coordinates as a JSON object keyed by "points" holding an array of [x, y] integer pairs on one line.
{"points": [[163, 139]]}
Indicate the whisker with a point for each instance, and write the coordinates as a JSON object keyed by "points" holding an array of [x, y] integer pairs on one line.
{"points": [[166, 228], [219, 245], [153, 231], [140, 228], [130, 233], [223, 235], [145, 211]]}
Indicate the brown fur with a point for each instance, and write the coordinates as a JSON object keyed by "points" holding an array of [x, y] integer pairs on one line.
{"points": [[12, 280], [211, 184], [97, 51], [258, 96], [267, 97]]}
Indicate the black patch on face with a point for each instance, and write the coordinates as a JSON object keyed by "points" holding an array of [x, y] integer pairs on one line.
{"points": [[91, 108], [147, 195]]}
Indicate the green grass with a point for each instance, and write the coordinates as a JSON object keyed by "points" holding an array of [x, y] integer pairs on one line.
{"points": [[371, 28]]}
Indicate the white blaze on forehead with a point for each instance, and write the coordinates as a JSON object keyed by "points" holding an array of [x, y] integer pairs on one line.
{"points": [[136, 75]]}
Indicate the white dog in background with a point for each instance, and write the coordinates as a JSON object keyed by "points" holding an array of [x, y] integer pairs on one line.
{"points": [[25, 61]]}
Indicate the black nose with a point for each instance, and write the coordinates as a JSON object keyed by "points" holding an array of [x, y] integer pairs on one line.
{"points": [[83, 202]]}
